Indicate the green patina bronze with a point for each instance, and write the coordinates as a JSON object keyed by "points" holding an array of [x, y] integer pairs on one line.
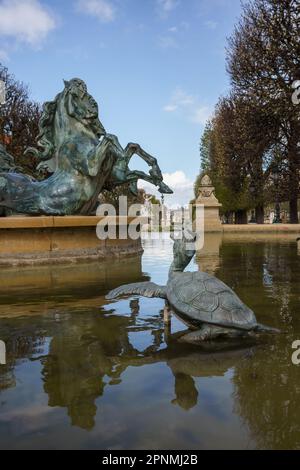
{"points": [[83, 159], [202, 301]]}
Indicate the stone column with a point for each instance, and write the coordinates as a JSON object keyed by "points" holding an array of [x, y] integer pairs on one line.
{"points": [[207, 198]]}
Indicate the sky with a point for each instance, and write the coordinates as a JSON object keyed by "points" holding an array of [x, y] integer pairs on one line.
{"points": [[155, 67]]}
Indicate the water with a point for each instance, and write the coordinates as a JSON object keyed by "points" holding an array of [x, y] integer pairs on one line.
{"points": [[85, 373]]}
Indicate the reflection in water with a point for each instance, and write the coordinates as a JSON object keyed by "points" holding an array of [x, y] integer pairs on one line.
{"points": [[28, 290], [186, 391], [77, 363], [267, 390], [267, 397], [208, 255], [78, 359], [85, 357], [21, 342]]}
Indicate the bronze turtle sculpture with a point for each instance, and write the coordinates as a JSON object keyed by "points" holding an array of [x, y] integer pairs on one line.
{"points": [[201, 300]]}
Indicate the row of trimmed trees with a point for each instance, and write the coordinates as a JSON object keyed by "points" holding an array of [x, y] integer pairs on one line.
{"points": [[251, 146]]}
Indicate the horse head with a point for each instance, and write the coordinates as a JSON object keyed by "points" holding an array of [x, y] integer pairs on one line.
{"points": [[75, 104], [81, 106]]}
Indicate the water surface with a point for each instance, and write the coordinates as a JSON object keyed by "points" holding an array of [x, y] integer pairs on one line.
{"points": [[85, 373]]}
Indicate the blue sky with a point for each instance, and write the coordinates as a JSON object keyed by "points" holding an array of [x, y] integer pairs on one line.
{"points": [[155, 67]]}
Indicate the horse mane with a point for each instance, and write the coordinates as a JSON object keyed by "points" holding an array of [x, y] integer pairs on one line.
{"points": [[45, 138]]}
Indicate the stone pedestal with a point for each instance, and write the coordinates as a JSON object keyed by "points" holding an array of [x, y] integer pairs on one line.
{"points": [[207, 198], [48, 240]]}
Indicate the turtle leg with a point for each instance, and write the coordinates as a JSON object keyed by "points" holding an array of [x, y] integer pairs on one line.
{"points": [[208, 332], [167, 313]]}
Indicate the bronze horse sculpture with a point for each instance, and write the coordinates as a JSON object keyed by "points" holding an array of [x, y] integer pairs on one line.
{"points": [[83, 159]]}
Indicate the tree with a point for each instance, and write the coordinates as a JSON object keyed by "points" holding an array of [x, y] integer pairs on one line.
{"points": [[205, 147], [253, 134], [236, 151], [207, 155], [223, 161], [263, 62], [19, 118], [230, 167]]}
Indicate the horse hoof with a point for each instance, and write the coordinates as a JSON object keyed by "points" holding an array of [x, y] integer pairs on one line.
{"points": [[164, 189]]}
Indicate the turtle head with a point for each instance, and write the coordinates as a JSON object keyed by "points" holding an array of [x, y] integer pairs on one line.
{"points": [[183, 250]]}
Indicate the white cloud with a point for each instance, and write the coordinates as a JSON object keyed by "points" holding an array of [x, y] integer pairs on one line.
{"points": [[101, 9], [183, 99], [166, 6], [201, 115], [188, 106], [178, 181], [181, 185], [26, 21], [169, 108]]}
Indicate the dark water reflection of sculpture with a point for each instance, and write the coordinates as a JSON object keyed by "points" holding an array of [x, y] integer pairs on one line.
{"points": [[88, 354], [86, 358], [79, 366]]}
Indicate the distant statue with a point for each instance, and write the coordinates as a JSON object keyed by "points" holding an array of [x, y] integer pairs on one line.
{"points": [[83, 159]]}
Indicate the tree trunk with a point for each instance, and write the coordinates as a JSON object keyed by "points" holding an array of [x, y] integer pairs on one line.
{"points": [[259, 214], [228, 217], [240, 217], [294, 219]]}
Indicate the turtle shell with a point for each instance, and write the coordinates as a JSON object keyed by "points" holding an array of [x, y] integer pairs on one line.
{"points": [[201, 297]]}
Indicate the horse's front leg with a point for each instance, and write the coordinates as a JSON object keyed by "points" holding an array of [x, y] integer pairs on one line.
{"points": [[155, 175], [132, 149], [106, 153], [133, 176]]}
